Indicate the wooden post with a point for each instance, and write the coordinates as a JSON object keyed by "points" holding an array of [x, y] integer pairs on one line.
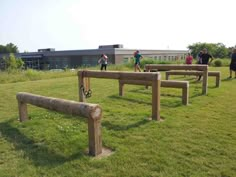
{"points": [[185, 94], [156, 85], [218, 80], [167, 76], [23, 113], [147, 70], [205, 81], [95, 136], [121, 88], [81, 86]]}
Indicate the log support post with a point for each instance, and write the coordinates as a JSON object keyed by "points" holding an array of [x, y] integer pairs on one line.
{"points": [[81, 86], [156, 85], [121, 88], [218, 80], [205, 81], [185, 95], [95, 136], [23, 113]]}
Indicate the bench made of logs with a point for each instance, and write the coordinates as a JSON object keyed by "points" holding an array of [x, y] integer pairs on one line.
{"points": [[184, 85], [91, 111], [215, 74], [196, 67], [154, 78]]}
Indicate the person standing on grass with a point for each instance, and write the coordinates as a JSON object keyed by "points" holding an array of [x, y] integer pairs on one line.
{"points": [[137, 58], [189, 59], [232, 66], [199, 57], [205, 59], [103, 61]]}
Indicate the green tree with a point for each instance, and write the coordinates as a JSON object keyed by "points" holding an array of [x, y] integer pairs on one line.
{"points": [[217, 50], [9, 48], [12, 63]]}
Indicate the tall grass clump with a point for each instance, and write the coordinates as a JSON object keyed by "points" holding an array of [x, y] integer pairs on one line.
{"points": [[31, 74]]}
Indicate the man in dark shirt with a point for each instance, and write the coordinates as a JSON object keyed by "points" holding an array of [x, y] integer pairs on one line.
{"points": [[205, 59]]}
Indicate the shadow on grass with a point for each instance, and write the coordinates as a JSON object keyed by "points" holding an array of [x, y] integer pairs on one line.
{"points": [[227, 79], [171, 104], [38, 152], [182, 78], [117, 127], [129, 99], [163, 102], [149, 93], [196, 94]]}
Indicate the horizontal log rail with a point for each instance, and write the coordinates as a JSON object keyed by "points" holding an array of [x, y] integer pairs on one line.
{"points": [[184, 85], [154, 78], [215, 74], [91, 111], [118, 75], [167, 67]]}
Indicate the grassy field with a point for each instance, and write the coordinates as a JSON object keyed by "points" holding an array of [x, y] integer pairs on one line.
{"points": [[196, 140]]}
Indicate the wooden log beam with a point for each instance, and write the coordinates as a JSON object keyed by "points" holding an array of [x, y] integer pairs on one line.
{"points": [[167, 67], [164, 83], [117, 75]]}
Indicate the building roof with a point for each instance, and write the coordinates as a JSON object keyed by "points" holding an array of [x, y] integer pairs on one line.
{"points": [[99, 51]]}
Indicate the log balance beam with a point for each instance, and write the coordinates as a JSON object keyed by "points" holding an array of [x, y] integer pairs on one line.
{"points": [[184, 85], [154, 78], [166, 67], [215, 74], [92, 112]]}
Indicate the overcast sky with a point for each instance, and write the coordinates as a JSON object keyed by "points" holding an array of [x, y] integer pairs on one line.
{"points": [[137, 24]]}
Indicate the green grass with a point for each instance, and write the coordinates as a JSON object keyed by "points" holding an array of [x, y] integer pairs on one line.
{"points": [[195, 140]]}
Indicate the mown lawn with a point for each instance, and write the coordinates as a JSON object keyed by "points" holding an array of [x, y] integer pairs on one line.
{"points": [[196, 140]]}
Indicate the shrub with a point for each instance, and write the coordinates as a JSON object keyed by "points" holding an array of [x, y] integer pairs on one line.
{"points": [[12, 63], [218, 63], [32, 74]]}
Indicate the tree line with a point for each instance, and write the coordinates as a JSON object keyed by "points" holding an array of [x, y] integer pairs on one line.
{"points": [[9, 48], [218, 50], [10, 63]]}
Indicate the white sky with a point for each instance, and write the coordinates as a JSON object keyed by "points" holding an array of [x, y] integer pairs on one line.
{"points": [[137, 24]]}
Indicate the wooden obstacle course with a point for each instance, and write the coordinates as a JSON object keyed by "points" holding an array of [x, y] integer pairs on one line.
{"points": [[167, 67], [154, 78], [184, 85], [91, 111], [215, 74]]}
